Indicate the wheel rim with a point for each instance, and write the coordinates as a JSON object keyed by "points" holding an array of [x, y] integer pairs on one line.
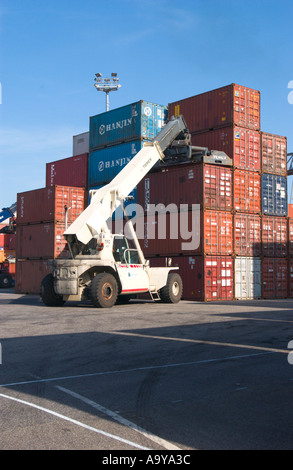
{"points": [[107, 291], [175, 288]]}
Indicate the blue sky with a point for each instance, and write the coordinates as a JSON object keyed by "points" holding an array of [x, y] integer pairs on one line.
{"points": [[162, 50]]}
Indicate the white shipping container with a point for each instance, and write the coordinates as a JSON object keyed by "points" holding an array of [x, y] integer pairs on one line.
{"points": [[81, 143], [247, 281]]}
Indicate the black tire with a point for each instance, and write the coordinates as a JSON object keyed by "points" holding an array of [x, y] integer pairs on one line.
{"points": [[171, 293], [104, 290], [48, 295], [5, 281]]}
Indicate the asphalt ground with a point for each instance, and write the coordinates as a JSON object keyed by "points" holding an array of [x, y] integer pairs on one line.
{"points": [[146, 376]]}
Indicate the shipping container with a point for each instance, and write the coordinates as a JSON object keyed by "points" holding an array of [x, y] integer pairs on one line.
{"points": [[275, 278], [247, 278], [274, 153], [290, 236], [274, 236], [247, 234], [290, 210], [136, 121], [41, 241], [207, 278], [29, 275], [187, 232], [247, 191], [204, 184], [290, 277], [229, 105], [72, 171], [5, 253], [240, 144], [50, 205], [81, 144], [7, 241], [274, 195], [105, 164]]}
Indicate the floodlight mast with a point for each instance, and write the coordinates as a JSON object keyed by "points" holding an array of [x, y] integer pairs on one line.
{"points": [[106, 85]]}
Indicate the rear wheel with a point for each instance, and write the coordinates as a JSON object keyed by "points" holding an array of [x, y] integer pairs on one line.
{"points": [[171, 293], [104, 290], [48, 294], [5, 281]]}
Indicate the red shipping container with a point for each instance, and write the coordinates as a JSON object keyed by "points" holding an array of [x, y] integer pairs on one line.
{"points": [[198, 232], [274, 154], [7, 241], [29, 275], [240, 144], [290, 274], [207, 185], [41, 241], [48, 204], [72, 171], [247, 191], [290, 236], [290, 210], [247, 234], [275, 278], [274, 236], [204, 277], [229, 105]]}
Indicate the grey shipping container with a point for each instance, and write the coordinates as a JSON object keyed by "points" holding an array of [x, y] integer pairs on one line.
{"points": [[247, 281], [140, 120], [81, 143], [274, 195]]}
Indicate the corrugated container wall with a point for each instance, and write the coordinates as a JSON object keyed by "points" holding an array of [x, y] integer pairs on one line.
{"points": [[72, 171], [274, 153], [41, 241], [274, 236], [247, 191], [207, 278], [275, 278], [274, 195], [240, 144], [207, 185], [290, 236], [81, 144], [229, 105], [29, 275], [105, 164], [247, 280], [140, 120], [48, 204], [247, 235]]}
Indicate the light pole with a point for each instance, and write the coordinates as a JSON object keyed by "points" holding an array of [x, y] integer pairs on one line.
{"points": [[106, 85]]}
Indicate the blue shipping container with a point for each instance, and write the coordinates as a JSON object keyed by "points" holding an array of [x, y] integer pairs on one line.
{"points": [[105, 164], [140, 120], [274, 195], [118, 214]]}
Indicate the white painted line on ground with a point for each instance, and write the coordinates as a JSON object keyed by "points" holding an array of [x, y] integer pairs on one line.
{"points": [[137, 369], [166, 444], [74, 421]]}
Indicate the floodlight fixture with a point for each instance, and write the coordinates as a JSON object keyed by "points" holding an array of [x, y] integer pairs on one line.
{"points": [[106, 85]]}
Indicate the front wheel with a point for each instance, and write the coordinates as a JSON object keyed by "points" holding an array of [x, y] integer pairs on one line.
{"points": [[171, 293], [48, 294], [104, 290]]}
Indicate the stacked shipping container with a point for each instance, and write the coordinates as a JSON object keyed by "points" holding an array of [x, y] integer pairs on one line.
{"points": [[41, 218]]}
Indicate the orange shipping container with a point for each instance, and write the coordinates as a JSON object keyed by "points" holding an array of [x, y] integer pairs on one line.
{"points": [[274, 153], [49, 204], [247, 234], [240, 144], [229, 105], [274, 236], [247, 191]]}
